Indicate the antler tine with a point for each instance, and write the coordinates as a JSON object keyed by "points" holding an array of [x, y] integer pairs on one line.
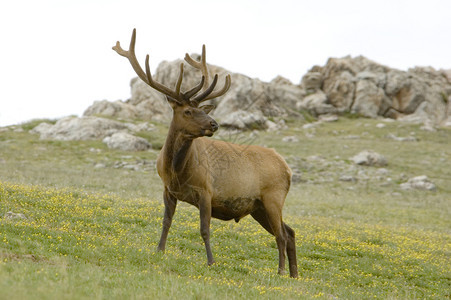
{"points": [[147, 76], [160, 87], [200, 65], [194, 90], [130, 54], [202, 97], [225, 88], [179, 80]]}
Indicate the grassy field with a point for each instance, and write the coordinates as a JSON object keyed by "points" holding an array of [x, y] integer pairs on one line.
{"points": [[92, 224]]}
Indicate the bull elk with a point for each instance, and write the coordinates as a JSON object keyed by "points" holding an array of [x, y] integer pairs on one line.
{"points": [[223, 180]]}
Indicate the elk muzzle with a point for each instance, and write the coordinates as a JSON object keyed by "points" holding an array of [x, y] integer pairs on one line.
{"points": [[214, 125], [209, 131]]}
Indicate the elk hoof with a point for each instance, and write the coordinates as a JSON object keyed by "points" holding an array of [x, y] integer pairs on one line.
{"points": [[211, 263]]}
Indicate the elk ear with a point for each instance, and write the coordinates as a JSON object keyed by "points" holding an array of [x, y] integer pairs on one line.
{"points": [[207, 108], [173, 102]]}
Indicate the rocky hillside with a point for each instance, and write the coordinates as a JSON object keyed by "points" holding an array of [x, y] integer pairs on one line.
{"points": [[344, 85], [359, 85]]}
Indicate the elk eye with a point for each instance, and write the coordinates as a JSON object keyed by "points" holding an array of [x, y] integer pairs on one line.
{"points": [[188, 113]]}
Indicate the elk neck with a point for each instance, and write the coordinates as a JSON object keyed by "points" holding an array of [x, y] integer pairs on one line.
{"points": [[176, 150]]}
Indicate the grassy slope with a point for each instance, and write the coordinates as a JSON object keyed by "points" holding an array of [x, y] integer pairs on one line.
{"points": [[92, 232]]}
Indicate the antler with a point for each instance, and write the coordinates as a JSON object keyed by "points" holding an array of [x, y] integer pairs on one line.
{"points": [[147, 76], [202, 66], [175, 94]]}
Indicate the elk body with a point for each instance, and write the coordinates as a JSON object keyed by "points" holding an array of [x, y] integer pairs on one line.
{"points": [[223, 180]]}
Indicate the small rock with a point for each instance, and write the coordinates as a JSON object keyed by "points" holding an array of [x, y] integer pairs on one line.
{"points": [[271, 126], [382, 172], [95, 150], [309, 125], [419, 183], [13, 216], [402, 139], [380, 125], [328, 118], [290, 139], [352, 137], [347, 178], [131, 167], [369, 158], [388, 120], [428, 126], [316, 158]]}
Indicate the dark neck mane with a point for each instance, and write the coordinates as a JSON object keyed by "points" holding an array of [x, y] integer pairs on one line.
{"points": [[176, 150]]}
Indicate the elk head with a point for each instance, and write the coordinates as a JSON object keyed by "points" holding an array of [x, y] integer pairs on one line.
{"points": [[188, 117]]}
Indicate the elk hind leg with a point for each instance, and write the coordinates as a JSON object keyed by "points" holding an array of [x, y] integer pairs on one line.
{"points": [[271, 219], [291, 251]]}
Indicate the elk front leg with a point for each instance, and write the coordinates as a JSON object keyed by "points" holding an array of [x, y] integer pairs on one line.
{"points": [[205, 217], [170, 202]]}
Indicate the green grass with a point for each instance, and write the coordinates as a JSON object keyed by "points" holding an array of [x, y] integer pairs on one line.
{"points": [[92, 232]]}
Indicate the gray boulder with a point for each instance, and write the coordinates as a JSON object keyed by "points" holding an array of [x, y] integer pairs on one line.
{"points": [[126, 142], [76, 129], [317, 104], [116, 109], [370, 100], [418, 183], [369, 158], [243, 120], [312, 81]]}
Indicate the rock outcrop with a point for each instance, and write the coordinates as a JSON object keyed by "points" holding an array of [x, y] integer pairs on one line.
{"points": [[145, 104], [359, 85], [344, 85], [113, 133], [272, 99], [77, 129], [116, 109]]}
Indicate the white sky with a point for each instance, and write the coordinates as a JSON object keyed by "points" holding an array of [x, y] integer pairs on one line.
{"points": [[56, 57]]}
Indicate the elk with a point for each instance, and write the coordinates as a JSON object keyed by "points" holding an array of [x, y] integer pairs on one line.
{"points": [[223, 180]]}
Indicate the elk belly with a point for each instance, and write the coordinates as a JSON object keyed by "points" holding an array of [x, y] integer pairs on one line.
{"points": [[233, 208]]}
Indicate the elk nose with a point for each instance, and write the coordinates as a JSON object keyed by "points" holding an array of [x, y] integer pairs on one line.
{"points": [[214, 125]]}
